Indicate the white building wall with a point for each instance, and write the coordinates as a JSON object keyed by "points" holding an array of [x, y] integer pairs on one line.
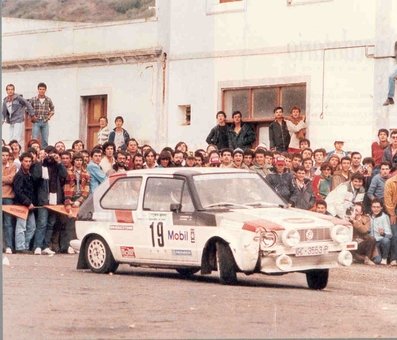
{"points": [[13, 25], [80, 39], [335, 46], [386, 36], [254, 42], [131, 91], [347, 107], [265, 24]]}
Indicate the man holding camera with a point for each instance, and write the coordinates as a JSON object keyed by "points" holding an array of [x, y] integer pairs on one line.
{"points": [[49, 177], [341, 200]]}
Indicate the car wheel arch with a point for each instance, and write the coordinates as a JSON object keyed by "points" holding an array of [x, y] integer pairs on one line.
{"points": [[208, 259], [98, 255], [82, 263]]}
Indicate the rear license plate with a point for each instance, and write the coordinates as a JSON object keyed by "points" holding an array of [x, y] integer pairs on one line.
{"points": [[311, 250]]}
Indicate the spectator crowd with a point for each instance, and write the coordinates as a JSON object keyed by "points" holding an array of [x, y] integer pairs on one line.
{"points": [[360, 190]]}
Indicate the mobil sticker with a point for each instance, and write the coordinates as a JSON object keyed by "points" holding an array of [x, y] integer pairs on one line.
{"points": [[178, 235]]}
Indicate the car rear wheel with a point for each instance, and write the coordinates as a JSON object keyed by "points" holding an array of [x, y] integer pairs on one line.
{"points": [[226, 265], [187, 272], [317, 278], [98, 256]]}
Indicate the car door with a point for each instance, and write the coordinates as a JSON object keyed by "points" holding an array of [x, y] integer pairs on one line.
{"points": [[122, 198], [168, 242]]}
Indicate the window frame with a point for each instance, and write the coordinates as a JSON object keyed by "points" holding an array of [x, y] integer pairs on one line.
{"points": [[251, 114], [218, 7], [305, 2], [184, 187], [226, 1], [130, 178]]}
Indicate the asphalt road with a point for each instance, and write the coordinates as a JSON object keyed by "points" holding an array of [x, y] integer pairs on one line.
{"points": [[46, 297]]}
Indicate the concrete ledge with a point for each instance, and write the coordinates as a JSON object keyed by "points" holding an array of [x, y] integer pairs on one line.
{"points": [[106, 58]]}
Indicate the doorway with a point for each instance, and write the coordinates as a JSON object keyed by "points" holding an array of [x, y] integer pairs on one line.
{"points": [[94, 107]]}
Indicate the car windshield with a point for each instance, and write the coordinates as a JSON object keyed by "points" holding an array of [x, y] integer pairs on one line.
{"points": [[235, 190]]}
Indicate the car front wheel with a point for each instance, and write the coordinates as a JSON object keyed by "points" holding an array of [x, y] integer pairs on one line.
{"points": [[226, 265], [98, 256], [317, 278]]}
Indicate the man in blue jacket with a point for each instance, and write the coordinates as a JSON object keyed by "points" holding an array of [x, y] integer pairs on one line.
{"points": [[95, 171]]}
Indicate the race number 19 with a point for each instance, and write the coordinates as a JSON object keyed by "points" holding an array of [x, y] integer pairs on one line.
{"points": [[159, 236]]}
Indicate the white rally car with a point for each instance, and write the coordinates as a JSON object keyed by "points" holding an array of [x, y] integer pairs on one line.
{"points": [[206, 219]]}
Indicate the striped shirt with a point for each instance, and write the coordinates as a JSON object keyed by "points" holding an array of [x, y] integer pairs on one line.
{"points": [[103, 135]]}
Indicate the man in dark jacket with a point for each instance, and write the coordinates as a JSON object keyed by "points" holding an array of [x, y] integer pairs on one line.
{"points": [[281, 181], [49, 177], [219, 134], [24, 195], [279, 136], [302, 196], [119, 136], [241, 135]]}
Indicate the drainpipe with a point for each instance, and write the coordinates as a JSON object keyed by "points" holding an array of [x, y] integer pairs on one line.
{"points": [[164, 66], [163, 121]]}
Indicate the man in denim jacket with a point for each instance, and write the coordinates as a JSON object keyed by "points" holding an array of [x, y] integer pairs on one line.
{"points": [[14, 107]]}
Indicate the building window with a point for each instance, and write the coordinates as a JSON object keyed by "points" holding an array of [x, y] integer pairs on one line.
{"points": [[225, 6], [257, 103], [185, 114], [304, 2]]}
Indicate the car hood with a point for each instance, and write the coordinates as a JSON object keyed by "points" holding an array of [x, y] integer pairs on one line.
{"points": [[276, 219]]}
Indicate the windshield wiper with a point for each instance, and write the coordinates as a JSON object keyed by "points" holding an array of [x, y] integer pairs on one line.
{"points": [[227, 204], [265, 205]]}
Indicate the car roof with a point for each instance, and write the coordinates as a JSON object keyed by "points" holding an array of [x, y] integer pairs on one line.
{"points": [[181, 171]]}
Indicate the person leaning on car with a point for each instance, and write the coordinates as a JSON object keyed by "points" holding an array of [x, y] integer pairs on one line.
{"points": [[341, 199]]}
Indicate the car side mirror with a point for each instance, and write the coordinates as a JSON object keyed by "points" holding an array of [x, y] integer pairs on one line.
{"points": [[176, 207]]}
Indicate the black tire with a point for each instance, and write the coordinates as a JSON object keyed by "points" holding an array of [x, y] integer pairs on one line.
{"points": [[98, 256], [187, 272], [226, 265], [317, 278]]}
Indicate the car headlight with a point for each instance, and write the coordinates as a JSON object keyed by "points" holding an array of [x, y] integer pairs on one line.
{"points": [[291, 237], [284, 262], [341, 234], [345, 258]]}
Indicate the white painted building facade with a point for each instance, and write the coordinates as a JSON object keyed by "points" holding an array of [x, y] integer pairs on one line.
{"points": [[169, 75]]}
